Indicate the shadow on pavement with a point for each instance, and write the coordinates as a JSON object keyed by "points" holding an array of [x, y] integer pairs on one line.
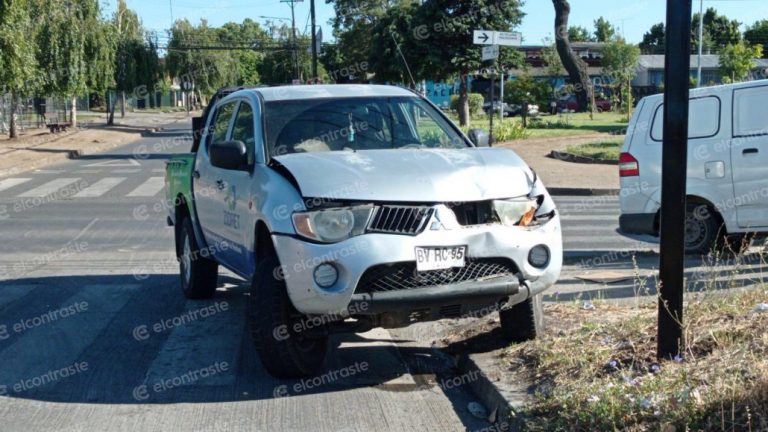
{"points": [[121, 339]]}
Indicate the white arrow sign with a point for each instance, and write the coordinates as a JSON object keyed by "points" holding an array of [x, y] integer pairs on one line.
{"points": [[483, 37]]}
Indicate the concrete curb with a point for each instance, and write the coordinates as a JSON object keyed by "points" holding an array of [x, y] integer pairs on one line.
{"points": [[570, 157], [505, 415], [582, 191]]}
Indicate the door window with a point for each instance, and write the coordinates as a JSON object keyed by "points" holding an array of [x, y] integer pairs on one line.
{"points": [[221, 123], [703, 119], [749, 117], [244, 130]]}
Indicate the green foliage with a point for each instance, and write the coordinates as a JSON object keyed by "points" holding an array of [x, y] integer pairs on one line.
{"points": [[757, 34], [604, 30], [736, 61], [620, 63], [602, 150], [525, 88], [61, 44], [17, 62], [653, 40], [509, 130], [719, 31], [579, 34], [476, 101]]}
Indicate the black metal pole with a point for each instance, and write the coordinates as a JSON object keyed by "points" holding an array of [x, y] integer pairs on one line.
{"points": [[677, 67], [314, 38], [491, 111]]}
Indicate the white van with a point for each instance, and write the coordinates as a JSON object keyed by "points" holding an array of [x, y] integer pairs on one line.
{"points": [[727, 166]]}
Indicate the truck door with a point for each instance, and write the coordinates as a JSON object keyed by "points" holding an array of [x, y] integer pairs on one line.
{"points": [[209, 185], [236, 226], [749, 156]]}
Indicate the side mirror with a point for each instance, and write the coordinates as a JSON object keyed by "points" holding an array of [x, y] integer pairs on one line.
{"points": [[479, 137], [231, 155]]}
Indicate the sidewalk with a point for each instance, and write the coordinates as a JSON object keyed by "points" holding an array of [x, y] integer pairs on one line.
{"points": [[562, 177], [36, 148]]}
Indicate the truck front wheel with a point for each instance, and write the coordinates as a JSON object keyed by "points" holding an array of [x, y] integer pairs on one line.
{"points": [[199, 273], [523, 321], [286, 348]]}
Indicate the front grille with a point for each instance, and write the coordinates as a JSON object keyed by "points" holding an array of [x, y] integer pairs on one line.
{"points": [[403, 275], [400, 219], [473, 213]]}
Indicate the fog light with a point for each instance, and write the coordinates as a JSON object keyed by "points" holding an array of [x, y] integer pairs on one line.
{"points": [[539, 256], [326, 275]]}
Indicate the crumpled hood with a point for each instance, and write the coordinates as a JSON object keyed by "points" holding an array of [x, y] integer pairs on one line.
{"points": [[410, 175]]}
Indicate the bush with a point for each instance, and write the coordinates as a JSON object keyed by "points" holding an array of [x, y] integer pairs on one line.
{"points": [[476, 101], [526, 88], [508, 131]]}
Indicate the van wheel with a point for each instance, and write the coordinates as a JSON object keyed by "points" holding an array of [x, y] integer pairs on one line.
{"points": [[523, 321], [284, 352], [702, 229], [199, 274]]}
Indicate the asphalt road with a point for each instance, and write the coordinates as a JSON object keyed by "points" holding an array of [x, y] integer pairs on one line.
{"points": [[95, 335]]}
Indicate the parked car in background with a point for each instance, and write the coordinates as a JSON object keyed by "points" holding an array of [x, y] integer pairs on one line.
{"points": [[570, 103], [510, 110], [727, 184]]}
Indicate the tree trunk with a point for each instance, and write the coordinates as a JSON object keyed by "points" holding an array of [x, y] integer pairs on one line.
{"points": [[12, 127], [463, 101], [73, 112], [110, 109], [122, 104], [577, 69]]}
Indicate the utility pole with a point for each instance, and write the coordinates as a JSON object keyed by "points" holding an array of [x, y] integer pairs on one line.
{"points": [[295, 52], [314, 39], [674, 162], [701, 41]]}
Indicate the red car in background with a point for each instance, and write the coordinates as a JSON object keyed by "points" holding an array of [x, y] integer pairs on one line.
{"points": [[571, 103]]}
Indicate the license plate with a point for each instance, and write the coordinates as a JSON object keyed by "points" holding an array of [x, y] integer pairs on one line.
{"points": [[438, 258]]}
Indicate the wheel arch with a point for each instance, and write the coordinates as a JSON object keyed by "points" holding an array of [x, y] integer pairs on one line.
{"points": [[694, 199]]}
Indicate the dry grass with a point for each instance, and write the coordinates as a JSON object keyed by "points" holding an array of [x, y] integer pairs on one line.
{"points": [[596, 370]]}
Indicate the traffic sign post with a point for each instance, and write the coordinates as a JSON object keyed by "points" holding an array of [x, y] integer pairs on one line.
{"points": [[490, 37]]}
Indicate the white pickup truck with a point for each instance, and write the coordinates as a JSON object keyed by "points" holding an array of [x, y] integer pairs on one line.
{"points": [[349, 207]]}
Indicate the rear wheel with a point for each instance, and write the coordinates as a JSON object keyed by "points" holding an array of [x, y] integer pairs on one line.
{"points": [[703, 229], [523, 321], [285, 350], [199, 273]]}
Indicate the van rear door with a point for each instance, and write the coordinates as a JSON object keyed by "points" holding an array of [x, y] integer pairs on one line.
{"points": [[749, 155]]}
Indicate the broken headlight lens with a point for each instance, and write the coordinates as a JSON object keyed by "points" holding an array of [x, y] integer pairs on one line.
{"points": [[516, 212]]}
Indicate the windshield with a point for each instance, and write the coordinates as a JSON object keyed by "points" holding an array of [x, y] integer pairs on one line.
{"points": [[378, 123]]}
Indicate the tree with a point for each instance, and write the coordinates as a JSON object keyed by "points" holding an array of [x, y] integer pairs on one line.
{"points": [[579, 34], [17, 62], [576, 67], [757, 34], [448, 50], [654, 40], [553, 66], [391, 37], [737, 61], [719, 31], [604, 30], [620, 64]]}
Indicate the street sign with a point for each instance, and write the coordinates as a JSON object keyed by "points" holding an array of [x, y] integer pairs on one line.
{"points": [[483, 37], [509, 38], [490, 37], [490, 52]]}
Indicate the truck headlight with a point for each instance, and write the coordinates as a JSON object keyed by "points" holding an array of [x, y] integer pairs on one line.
{"points": [[332, 225], [516, 212]]}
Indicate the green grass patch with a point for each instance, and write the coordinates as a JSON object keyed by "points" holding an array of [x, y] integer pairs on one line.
{"points": [[554, 126], [603, 150], [596, 370]]}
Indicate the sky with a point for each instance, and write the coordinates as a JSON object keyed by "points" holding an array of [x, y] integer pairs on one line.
{"points": [[632, 17]]}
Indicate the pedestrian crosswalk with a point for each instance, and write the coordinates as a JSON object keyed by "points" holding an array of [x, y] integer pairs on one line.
{"points": [[78, 188]]}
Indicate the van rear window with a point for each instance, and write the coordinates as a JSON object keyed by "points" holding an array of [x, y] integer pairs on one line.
{"points": [[703, 119]]}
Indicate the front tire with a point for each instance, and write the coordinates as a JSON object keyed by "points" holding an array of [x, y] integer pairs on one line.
{"points": [[284, 352], [523, 321], [199, 273]]}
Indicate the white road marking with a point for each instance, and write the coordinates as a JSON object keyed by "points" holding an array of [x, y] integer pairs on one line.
{"points": [[49, 188], [87, 171], [125, 171], [116, 163], [11, 182], [149, 188], [100, 187]]}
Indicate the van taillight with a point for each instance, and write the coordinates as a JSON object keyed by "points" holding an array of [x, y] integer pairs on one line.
{"points": [[628, 166]]}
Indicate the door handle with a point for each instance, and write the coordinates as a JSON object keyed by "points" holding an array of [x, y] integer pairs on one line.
{"points": [[196, 174], [221, 184], [750, 151]]}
